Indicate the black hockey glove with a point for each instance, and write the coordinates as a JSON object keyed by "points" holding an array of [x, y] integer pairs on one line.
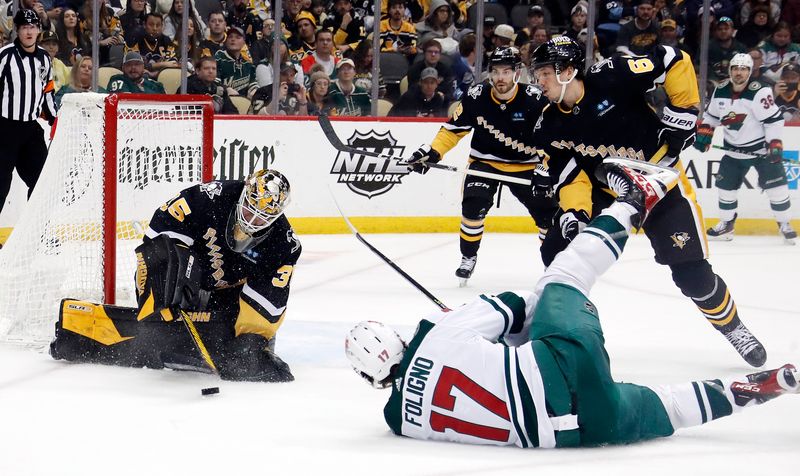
{"points": [[421, 157], [188, 295], [572, 222], [677, 131], [540, 183]]}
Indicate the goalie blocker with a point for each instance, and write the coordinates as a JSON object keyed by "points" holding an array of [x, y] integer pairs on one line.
{"points": [[168, 280]]}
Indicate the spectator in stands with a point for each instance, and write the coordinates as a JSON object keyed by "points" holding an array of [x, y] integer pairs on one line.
{"points": [[132, 79], [215, 37], [757, 28], [132, 20], [79, 80], [502, 36], [464, 66], [432, 59], [318, 8], [42, 11], [235, 71], [318, 93], [291, 8], [535, 20], [758, 68], [347, 25], [668, 34], [347, 99], [786, 95], [264, 73], [577, 21], [790, 13], [662, 11], [292, 99], [779, 50], [639, 36], [108, 26], [205, 81], [193, 49], [301, 43], [240, 14], [173, 19], [322, 55], [73, 43], [773, 8], [489, 23], [362, 59], [721, 49], [49, 41], [397, 34], [438, 23], [422, 99], [540, 36], [157, 50]]}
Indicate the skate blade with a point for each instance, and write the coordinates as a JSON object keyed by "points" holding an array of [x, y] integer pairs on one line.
{"points": [[462, 282], [789, 241], [720, 238]]}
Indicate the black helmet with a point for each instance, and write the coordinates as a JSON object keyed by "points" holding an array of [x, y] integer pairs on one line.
{"points": [[26, 16], [560, 52], [508, 55]]}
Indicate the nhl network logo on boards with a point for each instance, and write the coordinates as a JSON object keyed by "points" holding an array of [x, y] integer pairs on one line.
{"points": [[370, 176]]}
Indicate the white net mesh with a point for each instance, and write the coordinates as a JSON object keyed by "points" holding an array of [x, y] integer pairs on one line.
{"points": [[56, 249]]}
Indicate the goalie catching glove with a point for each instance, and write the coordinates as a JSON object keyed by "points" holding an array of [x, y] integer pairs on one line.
{"points": [[168, 276], [421, 158], [677, 133]]}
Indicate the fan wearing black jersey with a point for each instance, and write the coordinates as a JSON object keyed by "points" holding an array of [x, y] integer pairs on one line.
{"points": [[500, 112], [604, 113]]}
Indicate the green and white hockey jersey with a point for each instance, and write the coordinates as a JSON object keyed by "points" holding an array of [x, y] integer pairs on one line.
{"points": [[451, 386], [751, 118]]}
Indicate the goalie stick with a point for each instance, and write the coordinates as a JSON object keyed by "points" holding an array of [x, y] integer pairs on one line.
{"points": [[386, 260], [330, 134]]}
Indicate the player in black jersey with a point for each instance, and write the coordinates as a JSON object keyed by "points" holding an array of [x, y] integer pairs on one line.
{"points": [[604, 113], [221, 253], [500, 112]]}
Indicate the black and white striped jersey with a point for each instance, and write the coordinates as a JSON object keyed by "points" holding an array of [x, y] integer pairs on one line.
{"points": [[26, 84]]}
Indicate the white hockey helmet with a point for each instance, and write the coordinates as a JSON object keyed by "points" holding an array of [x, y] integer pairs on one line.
{"points": [[373, 349], [741, 60]]}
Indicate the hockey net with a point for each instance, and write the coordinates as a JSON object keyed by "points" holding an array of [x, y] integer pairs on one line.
{"points": [[114, 159]]}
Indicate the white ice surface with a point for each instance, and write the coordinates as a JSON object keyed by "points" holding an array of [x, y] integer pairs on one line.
{"points": [[67, 419]]}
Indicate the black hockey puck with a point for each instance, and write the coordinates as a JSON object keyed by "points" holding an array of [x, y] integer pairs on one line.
{"points": [[209, 391]]}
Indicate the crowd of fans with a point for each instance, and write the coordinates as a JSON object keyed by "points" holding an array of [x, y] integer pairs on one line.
{"points": [[326, 46]]}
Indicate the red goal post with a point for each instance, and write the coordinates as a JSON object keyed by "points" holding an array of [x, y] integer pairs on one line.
{"points": [[112, 161]]}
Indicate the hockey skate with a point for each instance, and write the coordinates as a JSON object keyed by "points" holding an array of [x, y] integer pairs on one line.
{"points": [[639, 184], [789, 235], [722, 231], [465, 269], [763, 386], [746, 345]]}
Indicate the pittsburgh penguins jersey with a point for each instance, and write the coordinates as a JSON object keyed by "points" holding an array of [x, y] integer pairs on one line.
{"points": [[458, 382], [750, 118], [198, 216], [613, 118], [503, 136]]}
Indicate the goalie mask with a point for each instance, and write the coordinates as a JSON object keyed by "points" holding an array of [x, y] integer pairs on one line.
{"points": [[373, 349], [560, 52], [264, 198]]}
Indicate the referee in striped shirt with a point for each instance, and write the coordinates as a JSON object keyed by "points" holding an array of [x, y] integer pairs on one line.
{"points": [[26, 92]]}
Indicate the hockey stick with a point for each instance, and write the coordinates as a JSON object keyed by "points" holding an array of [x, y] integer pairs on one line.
{"points": [[749, 155], [330, 134], [386, 260], [198, 342]]}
